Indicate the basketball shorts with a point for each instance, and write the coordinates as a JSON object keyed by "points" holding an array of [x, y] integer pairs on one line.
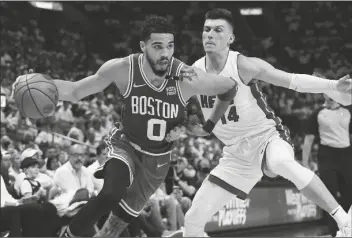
{"points": [[242, 164], [147, 172]]}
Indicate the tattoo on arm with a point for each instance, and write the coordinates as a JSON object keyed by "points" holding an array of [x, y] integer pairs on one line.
{"points": [[188, 73]]}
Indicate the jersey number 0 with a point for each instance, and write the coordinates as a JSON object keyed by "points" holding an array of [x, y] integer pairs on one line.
{"points": [[151, 128]]}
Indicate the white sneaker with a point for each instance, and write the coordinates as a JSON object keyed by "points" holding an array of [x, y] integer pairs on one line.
{"points": [[175, 234], [346, 230]]}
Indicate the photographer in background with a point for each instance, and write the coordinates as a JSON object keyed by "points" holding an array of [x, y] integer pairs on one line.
{"points": [[178, 176]]}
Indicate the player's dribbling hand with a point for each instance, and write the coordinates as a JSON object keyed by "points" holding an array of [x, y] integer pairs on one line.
{"points": [[344, 84], [175, 133], [31, 71]]}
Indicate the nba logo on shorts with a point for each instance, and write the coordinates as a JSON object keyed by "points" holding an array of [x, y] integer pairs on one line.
{"points": [[170, 90]]}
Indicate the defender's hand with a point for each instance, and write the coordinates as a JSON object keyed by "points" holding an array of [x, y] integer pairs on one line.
{"points": [[194, 127], [344, 85]]}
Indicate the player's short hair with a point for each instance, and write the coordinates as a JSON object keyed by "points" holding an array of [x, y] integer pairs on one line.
{"points": [[220, 13], [156, 24]]}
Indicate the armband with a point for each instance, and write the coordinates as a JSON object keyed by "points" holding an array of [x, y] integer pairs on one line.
{"points": [[208, 126]]}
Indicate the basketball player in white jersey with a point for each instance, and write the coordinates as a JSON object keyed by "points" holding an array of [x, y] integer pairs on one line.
{"points": [[255, 140]]}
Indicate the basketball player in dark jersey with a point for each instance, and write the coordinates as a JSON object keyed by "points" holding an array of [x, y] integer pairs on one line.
{"points": [[155, 87]]}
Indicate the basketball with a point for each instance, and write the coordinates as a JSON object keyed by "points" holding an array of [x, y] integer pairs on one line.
{"points": [[36, 95]]}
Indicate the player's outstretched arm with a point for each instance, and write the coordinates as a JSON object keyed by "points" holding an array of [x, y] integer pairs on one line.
{"points": [[75, 91], [257, 69], [195, 81]]}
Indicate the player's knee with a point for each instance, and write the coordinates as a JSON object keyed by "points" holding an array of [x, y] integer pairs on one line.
{"points": [[293, 171], [277, 153], [116, 181], [281, 161]]}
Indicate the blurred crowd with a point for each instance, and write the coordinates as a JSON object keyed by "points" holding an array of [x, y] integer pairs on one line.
{"points": [[52, 160]]}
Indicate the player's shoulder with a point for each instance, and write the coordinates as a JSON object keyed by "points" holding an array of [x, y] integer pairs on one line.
{"points": [[114, 67], [118, 62], [199, 63], [177, 62]]}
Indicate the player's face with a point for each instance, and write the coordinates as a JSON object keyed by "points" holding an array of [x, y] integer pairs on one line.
{"points": [[159, 50], [217, 35]]}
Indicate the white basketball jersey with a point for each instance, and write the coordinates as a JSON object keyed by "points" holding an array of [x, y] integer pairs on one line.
{"points": [[248, 114]]}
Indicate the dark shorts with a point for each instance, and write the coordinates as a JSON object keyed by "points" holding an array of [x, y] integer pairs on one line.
{"points": [[334, 166], [147, 172]]}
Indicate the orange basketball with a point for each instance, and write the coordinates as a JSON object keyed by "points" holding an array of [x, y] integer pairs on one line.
{"points": [[36, 96]]}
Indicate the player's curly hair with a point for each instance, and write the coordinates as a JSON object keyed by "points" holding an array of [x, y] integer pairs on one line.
{"points": [[156, 24], [220, 13]]}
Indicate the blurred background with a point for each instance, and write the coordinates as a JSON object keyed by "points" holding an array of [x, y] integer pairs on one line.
{"points": [[71, 40]]}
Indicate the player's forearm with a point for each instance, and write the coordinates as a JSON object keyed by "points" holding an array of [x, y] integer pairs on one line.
{"points": [[222, 102], [305, 83], [216, 84], [66, 90], [218, 111], [75, 91]]}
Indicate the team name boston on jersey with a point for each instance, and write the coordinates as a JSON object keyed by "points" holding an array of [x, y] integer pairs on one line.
{"points": [[150, 112], [248, 114]]}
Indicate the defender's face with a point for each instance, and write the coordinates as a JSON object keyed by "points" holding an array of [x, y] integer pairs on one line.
{"points": [[159, 50], [217, 35]]}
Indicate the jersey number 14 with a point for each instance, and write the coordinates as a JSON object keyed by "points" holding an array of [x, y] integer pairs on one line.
{"points": [[232, 116]]}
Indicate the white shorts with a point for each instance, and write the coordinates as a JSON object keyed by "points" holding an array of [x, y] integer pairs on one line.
{"points": [[242, 164]]}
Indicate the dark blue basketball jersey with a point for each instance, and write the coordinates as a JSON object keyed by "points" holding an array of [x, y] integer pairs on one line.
{"points": [[150, 113]]}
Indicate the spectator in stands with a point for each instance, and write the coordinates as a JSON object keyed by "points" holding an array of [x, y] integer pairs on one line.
{"points": [[63, 157], [30, 186], [25, 217], [91, 142], [5, 166], [98, 132], [65, 117], [51, 155], [43, 178], [77, 129], [73, 176], [185, 202], [15, 169], [203, 170], [53, 164], [187, 184], [151, 219], [6, 144]]}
